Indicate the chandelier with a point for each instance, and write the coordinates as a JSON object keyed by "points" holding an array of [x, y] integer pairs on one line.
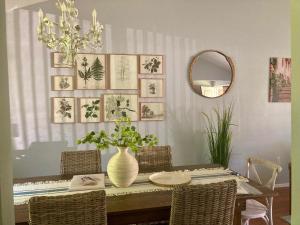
{"points": [[68, 40]]}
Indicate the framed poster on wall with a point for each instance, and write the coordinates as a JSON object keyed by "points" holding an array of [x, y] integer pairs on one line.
{"points": [[118, 105], [90, 71], [123, 72]]}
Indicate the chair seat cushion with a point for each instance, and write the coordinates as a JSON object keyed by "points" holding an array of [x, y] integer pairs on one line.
{"points": [[254, 209]]}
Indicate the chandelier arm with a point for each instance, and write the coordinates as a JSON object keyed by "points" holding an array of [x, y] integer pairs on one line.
{"points": [[68, 39]]}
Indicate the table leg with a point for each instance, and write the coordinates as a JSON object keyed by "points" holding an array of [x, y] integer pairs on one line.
{"points": [[240, 205]]}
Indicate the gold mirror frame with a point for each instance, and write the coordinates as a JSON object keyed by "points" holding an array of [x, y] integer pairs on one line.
{"points": [[195, 59]]}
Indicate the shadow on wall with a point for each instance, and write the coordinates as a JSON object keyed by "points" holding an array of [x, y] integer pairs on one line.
{"points": [[189, 138], [41, 159]]}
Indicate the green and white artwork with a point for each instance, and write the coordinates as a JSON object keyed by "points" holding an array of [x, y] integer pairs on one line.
{"points": [[151, 64], [63, 110], [118, 105], [123, 72], [152, 111], [90, 71], [151, 88], [57, 61], [89, 110], [62, 83]]}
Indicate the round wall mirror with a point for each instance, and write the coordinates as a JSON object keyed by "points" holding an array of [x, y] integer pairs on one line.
{"points": [[211, 73]]}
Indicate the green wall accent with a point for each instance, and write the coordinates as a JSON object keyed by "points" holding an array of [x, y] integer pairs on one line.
{"points": [[295, 111], [6, 199]]}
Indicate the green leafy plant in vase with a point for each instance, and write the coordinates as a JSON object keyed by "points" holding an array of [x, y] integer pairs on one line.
{"points": [[122, 168], [219, 135]]}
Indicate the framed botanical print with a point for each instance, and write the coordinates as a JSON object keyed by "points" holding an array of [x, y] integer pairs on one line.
{"points": [[90, 71], [58, 61], [63, 110], [89, 110], [118, 105], [151, 88], [151, 64], [62, 83], [152, 111], [123, 72]]}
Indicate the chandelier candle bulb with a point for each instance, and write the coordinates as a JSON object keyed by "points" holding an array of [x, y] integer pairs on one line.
{"points": [[94, 15], [41, 15]]}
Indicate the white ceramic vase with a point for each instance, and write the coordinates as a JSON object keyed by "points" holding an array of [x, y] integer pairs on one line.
{"points": [[122, 168]]}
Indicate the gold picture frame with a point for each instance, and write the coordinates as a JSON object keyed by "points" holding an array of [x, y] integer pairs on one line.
{"points": [[152, 87], [152, 111], [91, 71], [151, 64], [63, 110], [118, 105], [123, 72], [89, 109]]}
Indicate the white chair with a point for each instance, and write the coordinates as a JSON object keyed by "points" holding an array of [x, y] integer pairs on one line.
{"points": [[255, 209]]}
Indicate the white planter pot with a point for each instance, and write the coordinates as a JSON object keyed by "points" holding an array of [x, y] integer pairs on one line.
{"points": [[122, 168]]}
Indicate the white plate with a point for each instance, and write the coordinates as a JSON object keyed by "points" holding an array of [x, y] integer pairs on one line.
{"points": [[170, 178]]}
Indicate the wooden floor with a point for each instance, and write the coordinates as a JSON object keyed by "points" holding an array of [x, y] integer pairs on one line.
{"points": [[281, 207]]}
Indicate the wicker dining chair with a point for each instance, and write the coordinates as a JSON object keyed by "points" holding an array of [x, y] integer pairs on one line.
{"points": [[80, 162], [76, 209], [210, 204], [154, 158]]}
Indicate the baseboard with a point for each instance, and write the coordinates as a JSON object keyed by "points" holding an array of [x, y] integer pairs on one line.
{"points": [[282, 185]]}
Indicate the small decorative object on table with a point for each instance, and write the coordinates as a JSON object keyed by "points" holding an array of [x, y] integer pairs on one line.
{"points": [[122, 168], [170, 179], [87, 182]]}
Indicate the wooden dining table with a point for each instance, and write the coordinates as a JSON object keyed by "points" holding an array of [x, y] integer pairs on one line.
{"points": [[144, 207]]}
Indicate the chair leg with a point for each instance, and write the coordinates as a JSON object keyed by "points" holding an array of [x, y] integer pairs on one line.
{"points": [[270, 211], [266, 219], [245, 222]]}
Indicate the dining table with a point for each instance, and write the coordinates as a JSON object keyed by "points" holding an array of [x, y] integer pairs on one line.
{"points": [[143, 207]]}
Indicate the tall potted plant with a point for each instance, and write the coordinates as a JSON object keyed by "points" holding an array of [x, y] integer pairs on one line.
{"points": [[122, 168], [219, 136]]}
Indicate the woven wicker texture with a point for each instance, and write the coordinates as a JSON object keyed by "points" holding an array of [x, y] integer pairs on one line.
{"points": [[211, 204], [77, 209], [80, 162], [155, 158]]}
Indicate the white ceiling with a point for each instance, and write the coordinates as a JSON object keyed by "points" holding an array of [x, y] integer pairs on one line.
{"points": [[15, 4]]}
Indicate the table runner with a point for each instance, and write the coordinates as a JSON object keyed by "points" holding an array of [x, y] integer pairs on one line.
{"points": [[22, 192]]}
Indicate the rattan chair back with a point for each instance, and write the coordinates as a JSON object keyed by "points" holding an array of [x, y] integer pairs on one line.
{"points": [[210, 204], [76, 209], [156, 158], [80, 162]]}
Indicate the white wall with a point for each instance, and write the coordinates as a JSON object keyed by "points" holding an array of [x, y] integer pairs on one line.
{"points": [[248, 31]]}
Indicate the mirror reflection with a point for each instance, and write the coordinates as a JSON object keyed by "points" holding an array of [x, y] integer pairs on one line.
{"points": [[211, 73]]}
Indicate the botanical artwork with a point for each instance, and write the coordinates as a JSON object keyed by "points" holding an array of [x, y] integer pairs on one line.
{"points": [[151, 64], [280, 80], [90, 71], [58, 60], [89, 110], [63, 110], [152, 111], [62, 83], [151, 88], [123, 72], [120, 105]]}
